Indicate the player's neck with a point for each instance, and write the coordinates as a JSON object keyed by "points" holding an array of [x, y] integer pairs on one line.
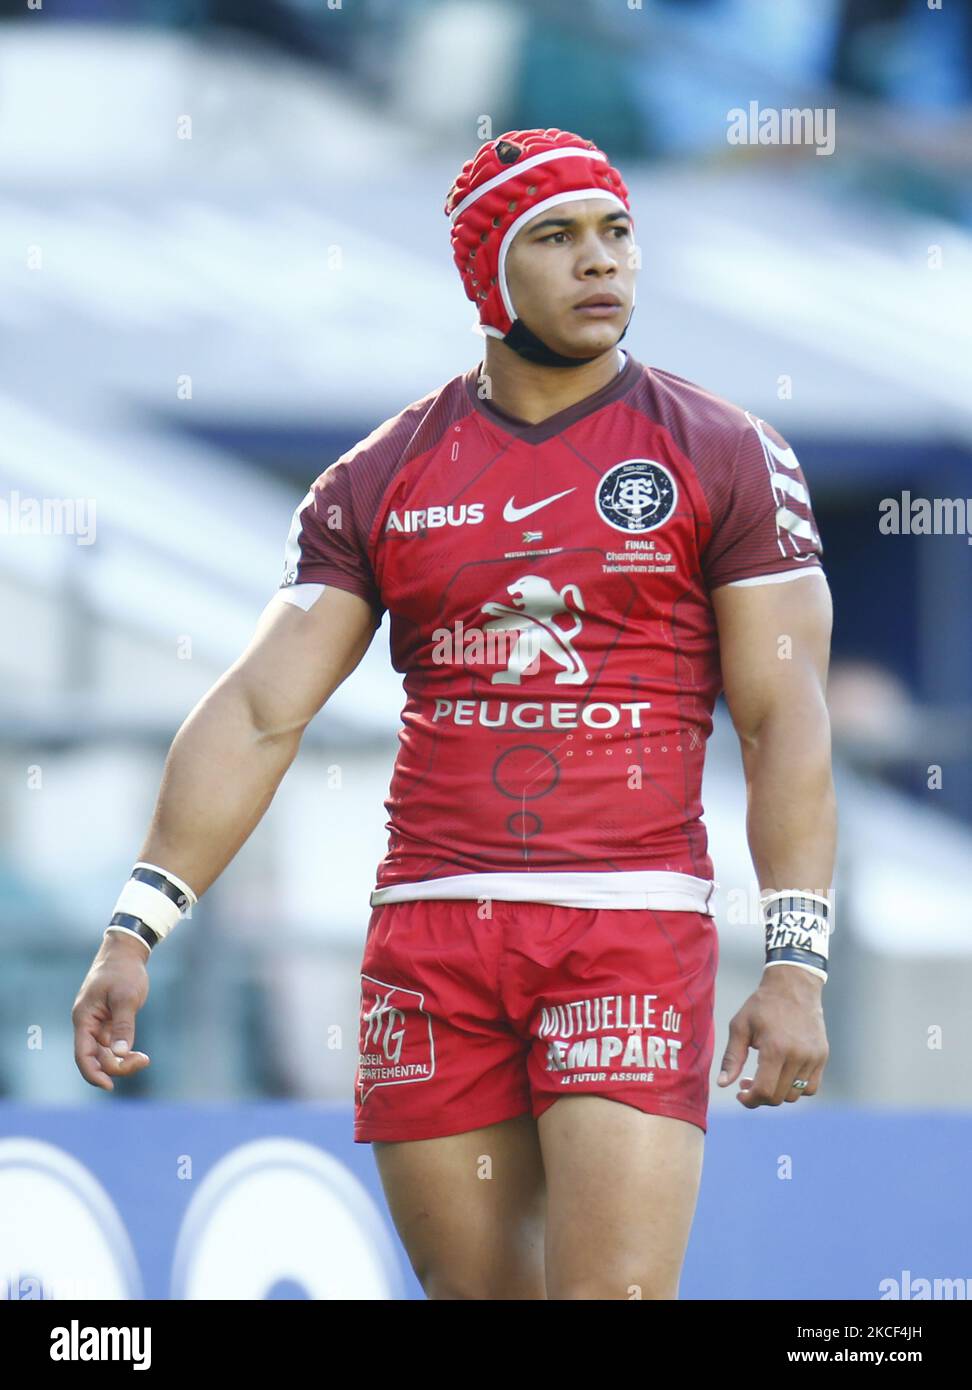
{"points": [[532, 393]]}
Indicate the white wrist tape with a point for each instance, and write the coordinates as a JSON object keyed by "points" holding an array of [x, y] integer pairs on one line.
{"points": [[159, 907], [798, 929]]}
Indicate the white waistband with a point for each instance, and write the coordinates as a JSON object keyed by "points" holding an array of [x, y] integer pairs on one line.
{"points": [[660, 889]]}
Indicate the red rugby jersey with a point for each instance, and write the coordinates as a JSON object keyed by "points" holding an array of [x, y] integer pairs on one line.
{"points": [[548, 590]]}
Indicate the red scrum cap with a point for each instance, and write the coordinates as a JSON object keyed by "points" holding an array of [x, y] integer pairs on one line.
{"points": [[510, 181]]}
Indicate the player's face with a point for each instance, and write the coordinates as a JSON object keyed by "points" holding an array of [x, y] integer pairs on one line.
{"points": [[571, 253]]}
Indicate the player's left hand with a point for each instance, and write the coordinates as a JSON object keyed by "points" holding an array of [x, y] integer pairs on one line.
{"points": [[783, 1020]]}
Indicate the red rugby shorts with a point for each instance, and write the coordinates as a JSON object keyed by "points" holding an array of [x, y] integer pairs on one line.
{"points": [[475, 1012]]}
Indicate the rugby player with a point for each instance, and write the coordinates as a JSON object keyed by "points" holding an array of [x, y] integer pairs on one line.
{"points": [[577, 553]]}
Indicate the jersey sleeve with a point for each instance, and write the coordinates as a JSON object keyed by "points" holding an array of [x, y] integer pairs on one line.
{"points": [[766, 531], [327, 543]]}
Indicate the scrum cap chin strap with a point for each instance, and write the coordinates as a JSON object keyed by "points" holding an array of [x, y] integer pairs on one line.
{"points": [[533, 349]]}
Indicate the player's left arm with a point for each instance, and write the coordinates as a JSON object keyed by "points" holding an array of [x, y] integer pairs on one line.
{"points": [[774, 642]]}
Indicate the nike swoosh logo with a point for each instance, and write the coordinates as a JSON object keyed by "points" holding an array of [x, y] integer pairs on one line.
{"points": [[514, 513]]}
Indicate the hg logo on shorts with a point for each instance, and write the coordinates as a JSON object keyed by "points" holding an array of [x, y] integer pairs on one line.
{"points": [[395, 1041]]}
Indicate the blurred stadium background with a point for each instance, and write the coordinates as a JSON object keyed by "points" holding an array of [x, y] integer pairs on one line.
{"points": [[223, 261]]}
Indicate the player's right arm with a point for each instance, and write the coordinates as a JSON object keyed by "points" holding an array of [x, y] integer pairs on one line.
{"points": [[221, 773]]}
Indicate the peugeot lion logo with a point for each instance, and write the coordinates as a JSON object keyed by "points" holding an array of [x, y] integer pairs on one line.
{"points": [[535, 605]]}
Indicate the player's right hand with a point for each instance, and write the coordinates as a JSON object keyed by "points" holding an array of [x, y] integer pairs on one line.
{"points": [[114, 989]]}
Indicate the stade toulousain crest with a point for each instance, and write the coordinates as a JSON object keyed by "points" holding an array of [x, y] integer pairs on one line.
{"points": [[636, 495]]}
